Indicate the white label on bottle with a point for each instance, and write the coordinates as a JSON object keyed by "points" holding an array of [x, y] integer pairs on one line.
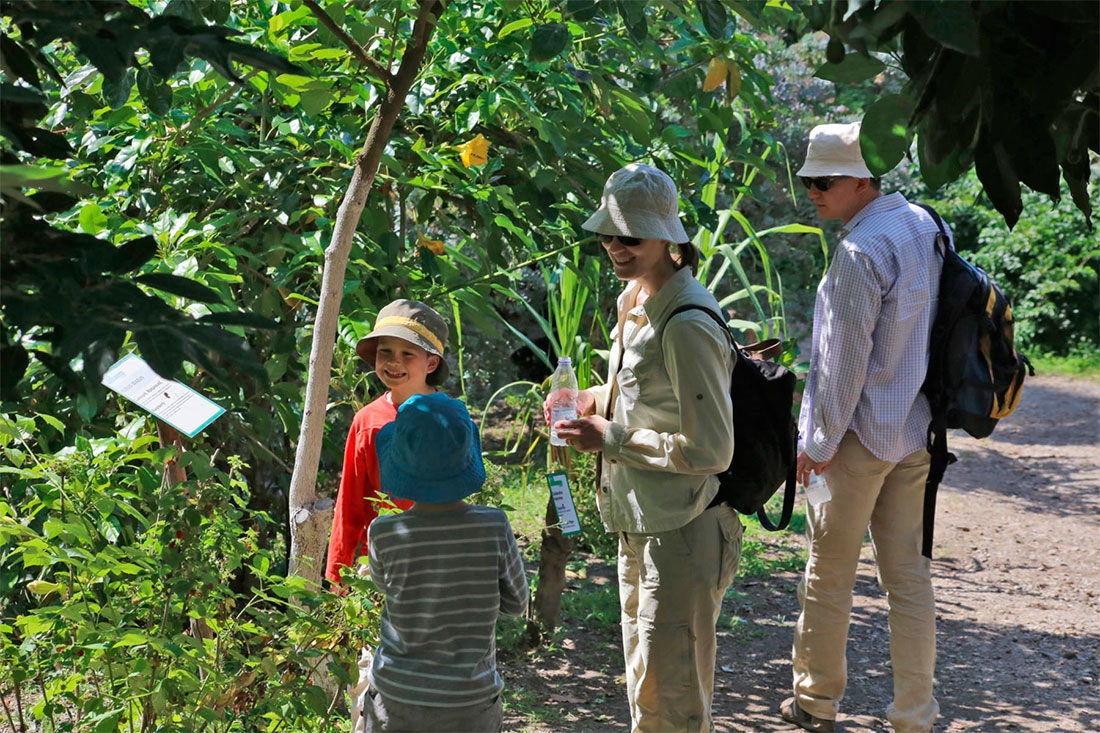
{"points": [[562, 412], [563, 502], [817, 492]]}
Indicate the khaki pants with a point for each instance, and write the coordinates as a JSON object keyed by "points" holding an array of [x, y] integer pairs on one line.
{"points": [[671, 586], [888, 497]]}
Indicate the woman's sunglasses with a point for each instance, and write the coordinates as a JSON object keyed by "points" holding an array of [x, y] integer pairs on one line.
{"points": [[625, 241], [823, 183]]}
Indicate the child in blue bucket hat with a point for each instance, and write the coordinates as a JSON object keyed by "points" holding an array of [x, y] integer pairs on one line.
{"points": [[448, 569]]}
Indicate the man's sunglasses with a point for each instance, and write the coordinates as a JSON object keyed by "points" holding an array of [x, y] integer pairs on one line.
{"points": [[625, 241], [823, 183]]}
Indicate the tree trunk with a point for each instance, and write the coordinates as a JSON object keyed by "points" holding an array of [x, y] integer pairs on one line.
{"points": [[310, 518], [553, 556]]}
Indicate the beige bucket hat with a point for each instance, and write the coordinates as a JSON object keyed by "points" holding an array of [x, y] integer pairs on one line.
{"points": [[834, 151], [414, 322], [639, 201]]}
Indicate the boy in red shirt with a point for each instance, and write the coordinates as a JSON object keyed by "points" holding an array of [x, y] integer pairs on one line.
{"points": [[406, 349]]}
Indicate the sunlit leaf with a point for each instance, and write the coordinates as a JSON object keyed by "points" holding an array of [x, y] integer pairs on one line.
{"points": [[854, 68]]}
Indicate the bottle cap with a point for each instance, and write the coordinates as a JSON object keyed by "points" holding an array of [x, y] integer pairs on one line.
{"points": [[564, 360]]}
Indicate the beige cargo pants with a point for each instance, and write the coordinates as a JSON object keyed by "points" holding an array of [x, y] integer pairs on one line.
{"points": [[888, 497], [671, 586]]}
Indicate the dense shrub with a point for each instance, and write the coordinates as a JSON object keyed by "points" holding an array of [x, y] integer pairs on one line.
{"points": [[129, 603]]}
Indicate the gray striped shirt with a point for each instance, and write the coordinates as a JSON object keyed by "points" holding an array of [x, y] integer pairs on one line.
{"points": [[446, 578], [872, 323]]}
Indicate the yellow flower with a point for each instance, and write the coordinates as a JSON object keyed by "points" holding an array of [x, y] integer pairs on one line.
{"points": [[435, 245], [475, 152], [716, 74]]}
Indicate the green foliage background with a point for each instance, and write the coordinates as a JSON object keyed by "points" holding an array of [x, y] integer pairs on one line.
{"points": [[170, 193]]}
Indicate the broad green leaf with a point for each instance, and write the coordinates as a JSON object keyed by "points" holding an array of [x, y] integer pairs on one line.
{"points": [[314, 101], [549, 40], [92, 219], [181, 286], [884, 138], [715, 18], [156, 93], [854, 68], [951, 23], [242, 319], [116, 92]]}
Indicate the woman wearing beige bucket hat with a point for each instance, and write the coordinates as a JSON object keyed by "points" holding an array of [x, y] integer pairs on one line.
{"points": [[664, 426]]}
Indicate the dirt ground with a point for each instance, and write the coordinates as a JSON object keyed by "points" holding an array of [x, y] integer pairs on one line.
{"points": [[1016, 570]]}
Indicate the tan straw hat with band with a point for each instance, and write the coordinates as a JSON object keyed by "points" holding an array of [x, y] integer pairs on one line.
{"points": [[414, 322]]}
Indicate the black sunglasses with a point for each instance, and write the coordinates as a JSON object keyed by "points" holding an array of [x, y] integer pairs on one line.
{"points": [[625, 241], [823, 183]]}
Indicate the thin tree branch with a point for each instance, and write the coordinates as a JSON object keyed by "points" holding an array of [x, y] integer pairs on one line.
{"points": [[356, 50]]}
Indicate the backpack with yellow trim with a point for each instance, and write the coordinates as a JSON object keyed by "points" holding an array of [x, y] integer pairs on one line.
{"points": [[975, 375]]}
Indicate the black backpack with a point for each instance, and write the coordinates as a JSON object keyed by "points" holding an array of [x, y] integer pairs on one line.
{"points": [[765, 436], [974, 374]]}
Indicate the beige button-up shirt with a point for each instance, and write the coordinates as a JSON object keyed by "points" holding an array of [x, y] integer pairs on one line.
{"points": [[671, 428]]}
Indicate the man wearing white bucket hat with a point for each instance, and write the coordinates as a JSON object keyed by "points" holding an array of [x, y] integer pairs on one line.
{"points": [[863, 427]]}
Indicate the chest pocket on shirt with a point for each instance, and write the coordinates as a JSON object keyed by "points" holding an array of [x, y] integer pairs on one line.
{"points": [[629, 389]]}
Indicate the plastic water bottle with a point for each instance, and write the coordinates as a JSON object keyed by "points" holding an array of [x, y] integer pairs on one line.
{"points": [[563, 397], [817, 492]]}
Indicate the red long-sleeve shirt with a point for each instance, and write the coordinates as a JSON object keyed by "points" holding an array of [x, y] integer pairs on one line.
{"points": [[355, 509]]}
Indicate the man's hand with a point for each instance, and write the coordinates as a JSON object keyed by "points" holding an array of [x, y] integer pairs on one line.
{"points": [[586, 405], [806, 466], [583, 434]]}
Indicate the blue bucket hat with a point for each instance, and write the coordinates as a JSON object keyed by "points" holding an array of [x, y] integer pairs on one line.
{"points": [[431, 452]]}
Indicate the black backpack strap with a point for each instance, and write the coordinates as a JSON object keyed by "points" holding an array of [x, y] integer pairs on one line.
{"points": [[937, 429], [693, 307], [942, 237], [941, 459], [788, 505], [789, 489]]}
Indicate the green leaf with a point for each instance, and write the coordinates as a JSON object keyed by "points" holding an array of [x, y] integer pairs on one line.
{"points": [[156, 93], [582, 10], [854, 68], [181, 286], [92, 219], [314, 101], [994, 169], [549, 40], [633, 15], [132, 638], [43, 587], [242, 319], [161, 348], [714, 18], [951, 23], [52, 421], [514, 26], [884, 138], [116, 92]]}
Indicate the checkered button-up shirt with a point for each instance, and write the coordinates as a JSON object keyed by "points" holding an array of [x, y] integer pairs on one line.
{"points": [[872, 323]]}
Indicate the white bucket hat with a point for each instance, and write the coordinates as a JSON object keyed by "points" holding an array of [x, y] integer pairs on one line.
{"points": [[834, 151], [639, 201]]}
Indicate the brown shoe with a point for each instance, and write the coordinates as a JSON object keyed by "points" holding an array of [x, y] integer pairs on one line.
{"points": [[792, 713]]}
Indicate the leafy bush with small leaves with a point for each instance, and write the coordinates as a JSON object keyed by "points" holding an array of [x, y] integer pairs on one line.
{"points": [[132, 604]]}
